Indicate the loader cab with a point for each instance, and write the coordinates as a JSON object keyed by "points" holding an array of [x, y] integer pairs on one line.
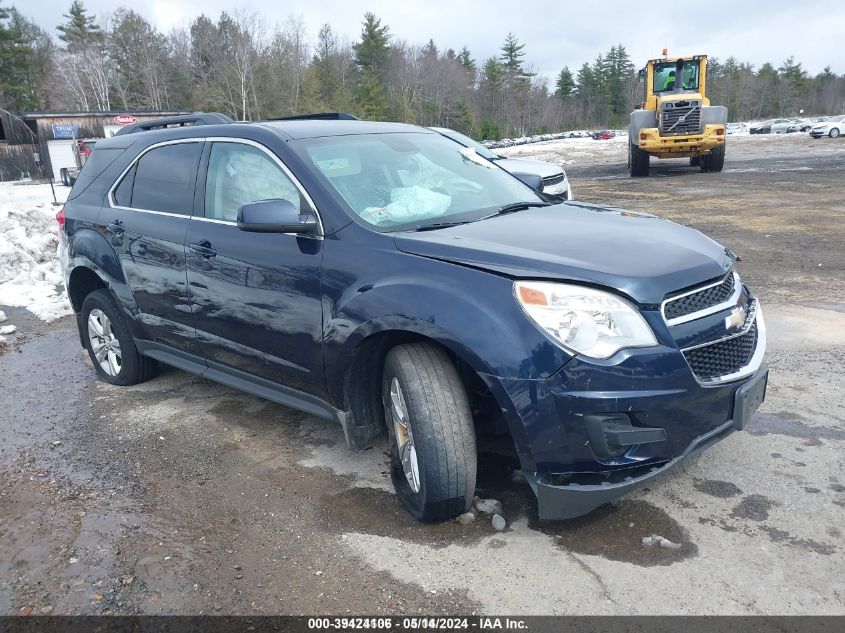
{"points": [[672, 78]]}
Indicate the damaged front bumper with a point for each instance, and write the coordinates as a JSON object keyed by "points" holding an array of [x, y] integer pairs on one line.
{"points": [[562, 497], [568, 501]]}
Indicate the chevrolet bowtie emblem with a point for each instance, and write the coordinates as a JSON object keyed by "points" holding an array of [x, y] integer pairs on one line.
{"points": [[736, 319]]}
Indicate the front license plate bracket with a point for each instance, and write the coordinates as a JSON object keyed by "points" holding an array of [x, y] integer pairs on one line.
{"points": [[748, 399]]}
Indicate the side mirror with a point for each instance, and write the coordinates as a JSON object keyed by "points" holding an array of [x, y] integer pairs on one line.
{"points": [[641, 75], [275, 216], [532, 180]]}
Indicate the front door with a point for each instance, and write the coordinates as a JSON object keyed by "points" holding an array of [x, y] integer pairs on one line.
{"points": [[255, 297]]}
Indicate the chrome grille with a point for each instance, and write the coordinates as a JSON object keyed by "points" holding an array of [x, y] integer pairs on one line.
{"points": [[553, 180], [680, 117], [701, 299]]}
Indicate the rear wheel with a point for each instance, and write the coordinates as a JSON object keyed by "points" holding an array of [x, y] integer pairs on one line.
{"points": [[715, 160], [432, 440], [639, 161], [110, 344], [65, 176], [834, 132]]}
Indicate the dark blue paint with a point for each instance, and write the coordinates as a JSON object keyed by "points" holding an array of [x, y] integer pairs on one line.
{"points": [[294, 310]]}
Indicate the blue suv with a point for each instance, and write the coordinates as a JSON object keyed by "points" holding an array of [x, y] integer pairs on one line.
{"points": [[384, 277]]}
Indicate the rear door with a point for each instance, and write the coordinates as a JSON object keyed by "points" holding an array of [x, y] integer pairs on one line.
{"points": [[255, 297], [146, 220]]}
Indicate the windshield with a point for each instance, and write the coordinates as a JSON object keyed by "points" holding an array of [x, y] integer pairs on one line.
{"points": [[466, 141], [411, 180], [666, 76]]}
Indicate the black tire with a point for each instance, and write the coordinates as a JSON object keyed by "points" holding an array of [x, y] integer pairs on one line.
{"points": [[65, 176], [440, 421], [695, 161], [134, 368], [640, 162], [834, 132], [715, 160]]}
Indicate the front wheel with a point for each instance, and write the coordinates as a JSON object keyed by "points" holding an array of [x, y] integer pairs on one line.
{"points": [[715, 160], [639, 161], [834, 132], [432, 440], [64, 174], [695, 161]]}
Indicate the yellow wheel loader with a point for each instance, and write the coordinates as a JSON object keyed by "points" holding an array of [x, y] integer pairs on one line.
{"points": [[676, 119]]}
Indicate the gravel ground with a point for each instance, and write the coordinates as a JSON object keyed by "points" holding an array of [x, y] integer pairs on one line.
{"points": [[182, 496]]}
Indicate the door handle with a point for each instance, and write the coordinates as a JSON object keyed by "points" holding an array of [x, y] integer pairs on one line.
{"points": [[116, 227], [203, 249]]}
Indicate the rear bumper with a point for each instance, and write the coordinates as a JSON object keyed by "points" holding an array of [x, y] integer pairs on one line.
{"points": [[649, 140]]}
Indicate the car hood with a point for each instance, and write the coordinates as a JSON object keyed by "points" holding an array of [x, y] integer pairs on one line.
{"points": [[635, 253], [528, 166]]}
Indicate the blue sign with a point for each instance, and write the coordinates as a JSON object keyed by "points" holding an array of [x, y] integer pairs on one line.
{"points": [[65, 130]]}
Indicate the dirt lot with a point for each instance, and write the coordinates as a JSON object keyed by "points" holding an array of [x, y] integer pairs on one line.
{"points": [[182, 496]]}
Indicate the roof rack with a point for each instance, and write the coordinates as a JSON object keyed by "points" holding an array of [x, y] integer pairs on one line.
{"points": [[324, 116], [198, 118]]}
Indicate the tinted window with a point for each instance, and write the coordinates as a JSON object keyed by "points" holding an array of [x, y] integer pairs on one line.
{"points": [[94, 166], [123, 192], [164, 178], [238, 174]]}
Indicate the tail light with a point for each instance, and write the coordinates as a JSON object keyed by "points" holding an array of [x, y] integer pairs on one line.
{"points": [[60, 219]]}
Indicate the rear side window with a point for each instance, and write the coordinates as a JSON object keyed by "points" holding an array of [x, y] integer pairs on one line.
{"points": [[123, 193], [164, 179], [95, 165]]}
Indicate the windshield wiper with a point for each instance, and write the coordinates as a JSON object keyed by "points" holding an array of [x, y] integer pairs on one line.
{"points": [[508, 208], [440, 225], [515, 206]]}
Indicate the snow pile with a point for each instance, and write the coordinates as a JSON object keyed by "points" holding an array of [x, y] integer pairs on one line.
{"points": [[30, 274]]}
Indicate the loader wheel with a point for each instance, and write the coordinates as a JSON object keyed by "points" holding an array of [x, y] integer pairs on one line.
{"points": [[639, 162], [715, 160], [695, 161]]}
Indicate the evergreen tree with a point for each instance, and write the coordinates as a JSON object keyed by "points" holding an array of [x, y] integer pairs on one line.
{"points": [[465, 57], [26, 52], [373, 51], [565, 84], [512, 54], [371, 56], [371, 98], [81, 29]]}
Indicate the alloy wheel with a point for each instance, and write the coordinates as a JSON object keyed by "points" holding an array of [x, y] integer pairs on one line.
{"points": [[104, 342], [404, 436]]}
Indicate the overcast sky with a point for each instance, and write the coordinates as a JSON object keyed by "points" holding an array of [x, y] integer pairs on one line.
{"points": [[556, 33]]}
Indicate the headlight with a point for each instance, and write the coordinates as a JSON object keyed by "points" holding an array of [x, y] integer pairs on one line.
{"points": [[583, 320]]}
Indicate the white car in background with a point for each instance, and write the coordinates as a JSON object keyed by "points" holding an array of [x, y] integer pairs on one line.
{"points": [[736, 128], [833, 127], [553, 178]]}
